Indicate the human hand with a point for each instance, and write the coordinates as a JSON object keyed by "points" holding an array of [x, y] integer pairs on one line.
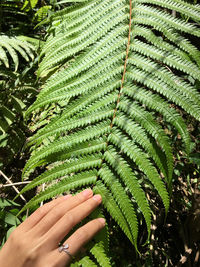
{"points": [[34, 243]]}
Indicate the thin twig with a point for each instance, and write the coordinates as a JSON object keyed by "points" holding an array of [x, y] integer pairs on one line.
{"points": [[174, 13], [14, 187], [196, 260], [152, 239], [27, 211], [19, 183], [43, 187]]}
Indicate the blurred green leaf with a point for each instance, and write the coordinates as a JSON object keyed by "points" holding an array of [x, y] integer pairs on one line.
{"points": [[10, 231], [195, 158], [11, 219], [29, 4], [7, 203]]}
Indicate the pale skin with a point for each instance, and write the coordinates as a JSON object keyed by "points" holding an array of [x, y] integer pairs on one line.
{"points": [[34, 243]]}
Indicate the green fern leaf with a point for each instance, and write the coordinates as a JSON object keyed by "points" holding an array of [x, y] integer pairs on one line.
{"points": [[99, 254], [71, 182], [119, 68], [121, 198], [112, 207], [85, 262], [63, 170], [12, 46]]}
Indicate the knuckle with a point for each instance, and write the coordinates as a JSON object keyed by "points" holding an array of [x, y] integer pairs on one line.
{"points": [[70, 218], [82, 234], [91, 204], [56, 213], [32, 255], [80, 198], [42, 211]]}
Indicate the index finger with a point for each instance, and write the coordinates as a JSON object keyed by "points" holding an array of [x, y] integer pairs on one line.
{"points": [[56, 213]]}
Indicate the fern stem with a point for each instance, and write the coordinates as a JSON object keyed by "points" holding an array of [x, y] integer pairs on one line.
{"points": [[122, 80], [125, 64]]}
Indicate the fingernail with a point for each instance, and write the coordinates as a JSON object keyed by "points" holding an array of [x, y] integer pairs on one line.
{"points": [[97, 198], [102, 220], [67, 196], [87, 192]]}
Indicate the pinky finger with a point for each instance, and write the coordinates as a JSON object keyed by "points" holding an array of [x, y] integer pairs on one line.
{"points": [[76, 241]]}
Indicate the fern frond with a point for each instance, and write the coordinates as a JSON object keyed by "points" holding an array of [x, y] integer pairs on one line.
{"points": [[63, 170], [142, 162], [79, 150], [180, 86], [167, 47], [166, 19], [85, 262], [13, 45], [113, 38], [66, 184], [102, 237], [111, 205], [110, 16], [155, 102], [180, 41], [99, 253], [120, 67], [152, 82], [183, 7], [121, 198], [80, 122], [128, 178], [69, 142], [151, 126], [171, 61], [16, 92], [141, 137]]}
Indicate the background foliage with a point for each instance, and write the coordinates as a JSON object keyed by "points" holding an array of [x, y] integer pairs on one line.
{"points": [[178, 227], [18, 88]]}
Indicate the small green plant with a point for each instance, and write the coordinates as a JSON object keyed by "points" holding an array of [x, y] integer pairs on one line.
{"points": [[8, 219]]}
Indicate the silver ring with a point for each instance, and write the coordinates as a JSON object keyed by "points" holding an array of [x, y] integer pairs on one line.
{"points": [[65, 249]]}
